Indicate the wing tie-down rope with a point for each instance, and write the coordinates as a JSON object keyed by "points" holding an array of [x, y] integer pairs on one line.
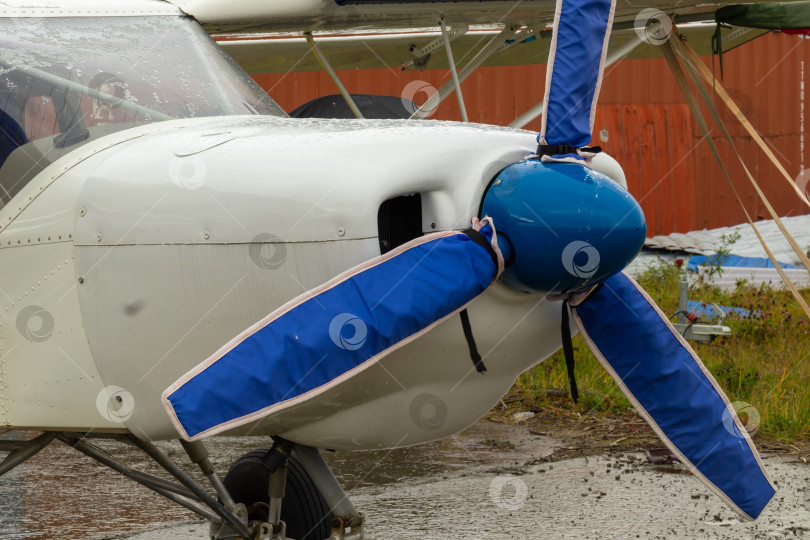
{"points": [[675, 46], [738, 114]]}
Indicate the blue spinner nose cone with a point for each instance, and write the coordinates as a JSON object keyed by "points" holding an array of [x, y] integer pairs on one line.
{"points": [[569, 226]]}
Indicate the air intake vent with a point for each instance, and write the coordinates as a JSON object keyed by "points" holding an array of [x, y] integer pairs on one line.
{"points": [[399, 221]]}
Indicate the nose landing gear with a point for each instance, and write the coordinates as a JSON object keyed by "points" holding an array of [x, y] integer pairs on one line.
{"points": [[291, 491]]}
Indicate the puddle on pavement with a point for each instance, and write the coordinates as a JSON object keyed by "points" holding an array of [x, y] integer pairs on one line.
{"points": [[61, 492], [485, 483], [601, 497], [481, 445]]}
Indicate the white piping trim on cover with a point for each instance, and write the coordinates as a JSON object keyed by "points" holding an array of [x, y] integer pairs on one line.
{"points": [[552, 51]]}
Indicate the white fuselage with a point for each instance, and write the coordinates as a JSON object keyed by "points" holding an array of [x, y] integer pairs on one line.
{"points": [[146, 250]]}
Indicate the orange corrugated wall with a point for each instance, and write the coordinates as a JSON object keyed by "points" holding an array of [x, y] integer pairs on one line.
{"points": [[643, 121]]}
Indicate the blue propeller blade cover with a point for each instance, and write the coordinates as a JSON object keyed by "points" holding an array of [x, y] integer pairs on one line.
{"points": [[574, 72], [322, 337], [671, 388]]}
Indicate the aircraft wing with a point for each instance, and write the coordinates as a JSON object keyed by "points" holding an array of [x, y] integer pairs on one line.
{"points": [[375, 49], [252, 16], [266, 37]]}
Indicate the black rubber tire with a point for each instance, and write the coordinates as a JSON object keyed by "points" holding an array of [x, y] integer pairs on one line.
{"points": [[303, 509]]}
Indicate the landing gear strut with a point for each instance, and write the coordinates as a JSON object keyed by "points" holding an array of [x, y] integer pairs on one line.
{"points": [[286, 492]]}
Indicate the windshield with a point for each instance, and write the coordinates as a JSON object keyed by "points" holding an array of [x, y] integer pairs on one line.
{"points": [[66, 81]]}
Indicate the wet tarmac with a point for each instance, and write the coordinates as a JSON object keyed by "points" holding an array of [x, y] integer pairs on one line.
{"points": [[490, 482]]}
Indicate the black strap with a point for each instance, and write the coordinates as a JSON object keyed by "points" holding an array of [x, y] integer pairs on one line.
{"points": [[479, 239], [468, 335], [562, 149], [717, 48], [568, 351]]}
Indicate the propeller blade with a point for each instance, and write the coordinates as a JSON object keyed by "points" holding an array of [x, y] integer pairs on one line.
{"points": [[672, 389], [325, 335], [576, 63]]}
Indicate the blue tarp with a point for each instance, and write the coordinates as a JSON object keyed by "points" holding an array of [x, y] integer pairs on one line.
{"points": [[734, 260], [706, 312], [324, 334], [670, 387]]}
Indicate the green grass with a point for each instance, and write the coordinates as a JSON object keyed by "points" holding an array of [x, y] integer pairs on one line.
{"points": [[765, 363]]}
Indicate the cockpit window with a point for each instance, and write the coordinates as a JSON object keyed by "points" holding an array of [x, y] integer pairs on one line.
{"points": [[67, 81]]}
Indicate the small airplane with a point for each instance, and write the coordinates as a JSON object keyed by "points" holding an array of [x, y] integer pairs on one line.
{"points": [[182, 260]]}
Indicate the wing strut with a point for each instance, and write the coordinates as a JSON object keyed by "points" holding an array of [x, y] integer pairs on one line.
{"points": [[616, 55], [328, 68], [452, 65], [499, 43]]}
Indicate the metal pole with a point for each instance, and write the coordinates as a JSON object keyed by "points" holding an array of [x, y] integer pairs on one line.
{"points": [[453, 72], [25, 450], [481, 56], [683, 298], [189, 505], [328, 68], [276, 489], [10, 446], [198, 454], [170, 490], [704, 16], [625, 49], [181, 476]]}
